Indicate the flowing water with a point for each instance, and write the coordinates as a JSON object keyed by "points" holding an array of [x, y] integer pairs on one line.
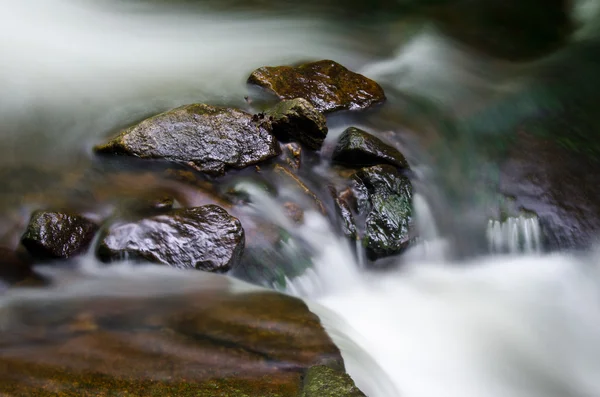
{"points": [[475, 307]]}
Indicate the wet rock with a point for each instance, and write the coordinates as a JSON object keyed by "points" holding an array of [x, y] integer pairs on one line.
{"points": [[323, 381], [210, 139], [298, 120], [205, 238], [385, 196], [203, 343], [57, 234], [344, 213], [326, 84], [292, 154], [294, 212], [359, 148], [14, 268]]}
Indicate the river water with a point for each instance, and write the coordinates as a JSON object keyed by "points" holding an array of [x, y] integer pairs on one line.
{"points": [[477, 308]]}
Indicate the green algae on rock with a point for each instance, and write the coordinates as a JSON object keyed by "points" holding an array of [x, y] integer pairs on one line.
{"points": [[323, 381], [205, 238], [385, 196], [356, 147], [326, 84], [298, 120], [210, 139], [58, 235]]}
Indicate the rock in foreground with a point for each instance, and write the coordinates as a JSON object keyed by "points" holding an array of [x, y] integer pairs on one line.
{"points": [[298, 120], [206, 238], [322, 381], [211, 139], [159, 341], [326, 84], [52, 235], [385, 196], [359, 148]]}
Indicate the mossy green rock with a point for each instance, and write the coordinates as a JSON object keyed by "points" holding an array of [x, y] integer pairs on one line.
{"points": [[298, 120], [326, 84], [57, 234], [359, 148], [210, 139], [323, 381], [385, 196], [207, 343]]}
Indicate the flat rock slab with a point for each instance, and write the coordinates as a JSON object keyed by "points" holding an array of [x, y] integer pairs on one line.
{"points": [[210, 139], [54, 235], [205, 238], [356, 147], [326, 84], [385, 196], [205, 342]]}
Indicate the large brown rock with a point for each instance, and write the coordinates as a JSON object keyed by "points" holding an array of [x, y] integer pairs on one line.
{"points": [[203, 343], [211, 139], [205, 238], [326, 84]]}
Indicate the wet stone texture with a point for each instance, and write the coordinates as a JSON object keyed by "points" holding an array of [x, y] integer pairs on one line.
{"points": [[210, 139], [205, 238], [208, 343], [298, 120], [57, 235], [385, 196], [326, 84], [356, 147]]}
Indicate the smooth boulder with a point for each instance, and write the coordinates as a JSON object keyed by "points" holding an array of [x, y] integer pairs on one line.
{"points": [[57, 235], [298, 120], [326, 84], [210, 139], [385, 197], [356, 147], [205, 238]]}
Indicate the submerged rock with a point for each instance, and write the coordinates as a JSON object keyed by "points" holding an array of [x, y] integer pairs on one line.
{"points": [[211, 139], [298, 120], [344, 213], [288, 177], [385, 196], [206, 238], [326, 84], [323, 381], [203, 343], [359, 148], [57, 234], [292, 155]]}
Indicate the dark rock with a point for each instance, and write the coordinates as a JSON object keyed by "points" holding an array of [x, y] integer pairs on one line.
{"points": [[323, 381], [203, 343], [326, 84], [208, 138], [298, 120], [342, 209], [58, 235], [292, 154], [359, 148], [385, 196], [14, 268], [206, 238]]}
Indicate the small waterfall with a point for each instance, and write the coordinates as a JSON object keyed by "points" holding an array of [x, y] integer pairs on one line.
{"points": [[520, 234]]}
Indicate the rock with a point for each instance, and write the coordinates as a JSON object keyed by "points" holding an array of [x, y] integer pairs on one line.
{"points": [[323, 381], [344, 213], [385, 196], [14, 268], [201, 343], [57, 234], [298, 120], [359, 148], [294, 212], [210, 139], [326, 84], [292, 155], [205, 238]]}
